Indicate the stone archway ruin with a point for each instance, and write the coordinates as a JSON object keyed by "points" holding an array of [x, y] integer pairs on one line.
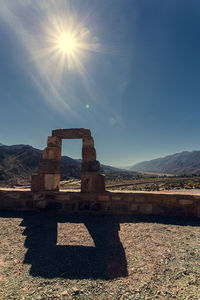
{"points": [[93, 199], [48, 176]]}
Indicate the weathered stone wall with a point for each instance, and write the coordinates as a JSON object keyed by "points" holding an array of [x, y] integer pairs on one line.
{"points": [[105, 203]]}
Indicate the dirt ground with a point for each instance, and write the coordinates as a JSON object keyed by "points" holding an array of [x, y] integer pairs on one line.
{"points": [[83, 257]]}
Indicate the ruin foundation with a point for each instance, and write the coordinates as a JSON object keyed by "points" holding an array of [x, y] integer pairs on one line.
{"points": [[116, 203]]}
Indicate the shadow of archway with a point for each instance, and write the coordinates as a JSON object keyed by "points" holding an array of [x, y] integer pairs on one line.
{"points": [[106, 260]]}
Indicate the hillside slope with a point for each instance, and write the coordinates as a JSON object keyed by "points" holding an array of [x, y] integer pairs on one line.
{"points": [[18, 162], [180, 163]]}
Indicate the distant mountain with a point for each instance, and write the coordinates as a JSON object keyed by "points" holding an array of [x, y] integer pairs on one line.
{"points": [[103, 167], [180, 163], [18, 162], [1, 144]]}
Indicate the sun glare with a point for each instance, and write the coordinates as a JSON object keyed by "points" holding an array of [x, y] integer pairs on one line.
{"points": [[67, 43]]}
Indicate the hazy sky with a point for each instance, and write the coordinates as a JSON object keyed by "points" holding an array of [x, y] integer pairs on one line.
{"points": [[133, 78]]}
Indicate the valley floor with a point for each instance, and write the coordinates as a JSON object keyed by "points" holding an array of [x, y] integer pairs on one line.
{"points": [[130, 181]]}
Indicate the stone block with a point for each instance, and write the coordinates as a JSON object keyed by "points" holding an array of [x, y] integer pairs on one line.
{"points": [[140, 198], [189, 211], [54, 141], [120, 207], [92, 183], [73, 133], [6, 203], [158, 210], [76, 197], [51, 182], [41, 204], [86, 183], [99, 184], [145, 208], [19, 204], [174, 211], [104, 197], [54, 205], [63, 196], [52, 153], [128, 197], [29, 204], [69, 206], [155, 199], [88, 154], [90, 166], [107, 207], [198, 211], [186, 201], [134, 207], [96, 207], [15, 195], [50, 196], [88, 142], [84, 205], [37, 182], [49, 166], [26, 195], [116, 197], [169, 201]]}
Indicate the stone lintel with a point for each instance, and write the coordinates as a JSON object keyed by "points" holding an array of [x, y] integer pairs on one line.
{"points": [[73, 133], [54, 141]]}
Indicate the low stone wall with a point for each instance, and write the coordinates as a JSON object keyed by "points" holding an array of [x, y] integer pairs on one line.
{"points": [[105, 203]]}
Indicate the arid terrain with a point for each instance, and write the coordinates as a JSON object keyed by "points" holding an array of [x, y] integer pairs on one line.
{"points": [[129, 181], [46, 256], [59, 257], [150, 181]]}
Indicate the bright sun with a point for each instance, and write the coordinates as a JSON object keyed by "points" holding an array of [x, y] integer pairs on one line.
{"points": [[67, 43]]}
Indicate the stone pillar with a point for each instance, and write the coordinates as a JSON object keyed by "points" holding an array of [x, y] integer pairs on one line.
{"points": [[48, 177], [91, 180]]}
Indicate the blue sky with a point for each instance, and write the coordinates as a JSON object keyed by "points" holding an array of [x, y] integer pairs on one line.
{"points": [[134, 81]]}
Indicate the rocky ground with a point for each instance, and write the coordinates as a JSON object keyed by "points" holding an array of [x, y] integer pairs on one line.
{"points": [[58, 257]]}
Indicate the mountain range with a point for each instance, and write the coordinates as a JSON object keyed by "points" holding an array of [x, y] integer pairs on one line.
{"points": [[180, 163], [18, 162]]}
